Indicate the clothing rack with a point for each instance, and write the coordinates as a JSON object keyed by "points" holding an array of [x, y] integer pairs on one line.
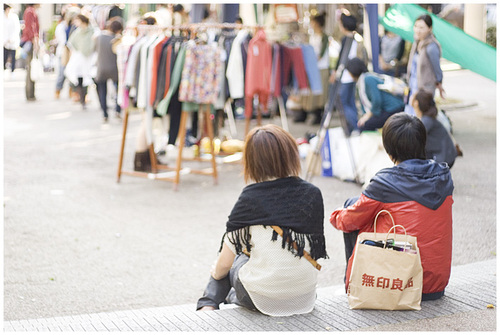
{"points": [[164, 172]]}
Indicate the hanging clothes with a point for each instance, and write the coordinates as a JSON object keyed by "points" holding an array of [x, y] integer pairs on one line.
{"points": [[312, 70], [235, 70], [201, 74], [258, 71], [293, 60]]}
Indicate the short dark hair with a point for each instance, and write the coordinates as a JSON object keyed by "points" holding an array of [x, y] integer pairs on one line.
{"points": [[426, 18], [356, 67], [178, 8], [115, 25], [5, 6], [320, 19], [426, 103], [150, 20], [83, 18], [404, 137], [348, 21], [270, 152]]}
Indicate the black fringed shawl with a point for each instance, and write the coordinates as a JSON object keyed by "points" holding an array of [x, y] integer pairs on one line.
{"points": [[291, 203]]}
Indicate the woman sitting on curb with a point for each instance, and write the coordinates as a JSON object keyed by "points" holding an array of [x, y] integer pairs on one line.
{"points": [[440, 144], [278, 279]]}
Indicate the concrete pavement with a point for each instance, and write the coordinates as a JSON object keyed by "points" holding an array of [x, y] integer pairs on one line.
{"points": [[77, 242]]}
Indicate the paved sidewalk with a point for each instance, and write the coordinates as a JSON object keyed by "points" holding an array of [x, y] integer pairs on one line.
{"points": [[471, 289]]}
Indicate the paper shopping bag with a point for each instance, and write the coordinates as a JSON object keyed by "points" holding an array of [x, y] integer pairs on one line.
{"points": [[386, 272]]}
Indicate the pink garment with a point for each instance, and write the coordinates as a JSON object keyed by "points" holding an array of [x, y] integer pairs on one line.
{"points": [[259, 66]]}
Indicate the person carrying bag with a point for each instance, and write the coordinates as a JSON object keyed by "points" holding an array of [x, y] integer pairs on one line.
{"points": [[386, 273]]}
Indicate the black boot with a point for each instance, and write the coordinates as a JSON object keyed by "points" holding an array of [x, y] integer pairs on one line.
{"points": [[300, 116], [318, 115], [142, 162]]}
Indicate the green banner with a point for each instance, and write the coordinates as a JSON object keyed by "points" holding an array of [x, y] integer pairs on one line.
{"points": [[457, 46]]}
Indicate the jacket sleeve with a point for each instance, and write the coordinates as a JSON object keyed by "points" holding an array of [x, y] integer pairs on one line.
{"points": [[373, 93], [358, 216], [434, 56]]}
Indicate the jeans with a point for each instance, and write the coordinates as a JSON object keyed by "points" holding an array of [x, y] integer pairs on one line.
{"points": [[228, 289], [347, 94], [82, 90], [102, 92], [12, 54], [377, 121], [30, 84], [60, 76]]}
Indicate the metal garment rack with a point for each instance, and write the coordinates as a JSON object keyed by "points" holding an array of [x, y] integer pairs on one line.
{"points": [[333, 103]]}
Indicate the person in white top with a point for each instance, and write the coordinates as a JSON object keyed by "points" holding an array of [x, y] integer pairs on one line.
{"points": [[11, 37], [256, 267]]}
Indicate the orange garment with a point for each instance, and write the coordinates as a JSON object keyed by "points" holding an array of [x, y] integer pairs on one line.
{"points": [[258, 70]]}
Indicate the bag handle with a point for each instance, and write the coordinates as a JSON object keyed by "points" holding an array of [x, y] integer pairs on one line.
{"points": [[376, 217], [394, 236], [294, 244]]}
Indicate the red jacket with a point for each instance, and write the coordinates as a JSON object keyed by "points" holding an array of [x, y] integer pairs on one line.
{"points": [[32, 27], [259, 64], [418, 193]]}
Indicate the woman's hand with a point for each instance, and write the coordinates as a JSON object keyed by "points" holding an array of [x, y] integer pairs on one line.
{"points": [[332, 77], [442, 92], [223, 263], [363, 119]]}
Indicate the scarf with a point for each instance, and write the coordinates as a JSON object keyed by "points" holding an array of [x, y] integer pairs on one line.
{"points": [[291, 203]]}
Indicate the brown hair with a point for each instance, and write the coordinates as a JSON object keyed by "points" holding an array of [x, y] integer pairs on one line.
{"points": [[426, 18], [404, 137], [83, 18], [270, 152], [426, 103]]}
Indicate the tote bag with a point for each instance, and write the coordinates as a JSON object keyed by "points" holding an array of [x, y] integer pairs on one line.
{"points": [[385, 278], [36, 68]]}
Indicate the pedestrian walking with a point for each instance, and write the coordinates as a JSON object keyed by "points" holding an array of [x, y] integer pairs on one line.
{"points": [[11, 39], [424, 69], [107, 69], [81, 44], [30, 44], [347, 90]]}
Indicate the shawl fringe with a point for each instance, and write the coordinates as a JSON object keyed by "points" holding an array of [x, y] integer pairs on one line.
{"points": [[240, 238]]}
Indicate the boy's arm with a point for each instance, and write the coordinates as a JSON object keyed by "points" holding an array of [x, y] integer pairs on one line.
{"points": [[357, 216]]}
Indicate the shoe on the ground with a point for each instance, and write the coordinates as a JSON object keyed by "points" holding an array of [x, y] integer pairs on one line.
{"points": [[207, 308], [318, 115], [300, 116], [104, 120]]}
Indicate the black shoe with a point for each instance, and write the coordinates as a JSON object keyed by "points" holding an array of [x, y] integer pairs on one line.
{"points": [[318, 115], [142, 162], [300, 116]]}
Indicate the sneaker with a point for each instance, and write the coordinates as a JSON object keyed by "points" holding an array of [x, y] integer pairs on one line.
{"points": [[105, 120]]}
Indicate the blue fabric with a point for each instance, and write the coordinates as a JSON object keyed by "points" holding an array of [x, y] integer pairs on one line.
{"points": [[312, 70], [434, 57], [382, 101], [425, 181], [347, 94]]}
